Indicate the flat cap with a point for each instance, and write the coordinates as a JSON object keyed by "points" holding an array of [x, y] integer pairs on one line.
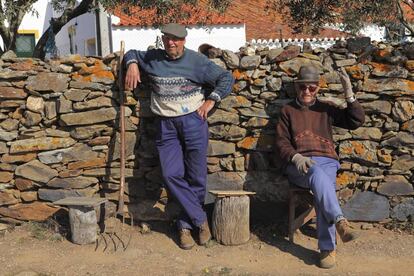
{"points": [[175, 30], [308, 73]]}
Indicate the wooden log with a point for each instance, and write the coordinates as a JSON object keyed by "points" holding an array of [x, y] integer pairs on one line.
{"points": [[83, 224], [231, 217]]}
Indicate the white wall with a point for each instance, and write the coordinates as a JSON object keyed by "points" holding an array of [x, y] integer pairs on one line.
{"points": [[230, 37], [84, 26], [374, 32]]}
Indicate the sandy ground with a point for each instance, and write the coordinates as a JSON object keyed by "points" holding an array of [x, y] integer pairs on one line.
{"points": [[28, 251]]}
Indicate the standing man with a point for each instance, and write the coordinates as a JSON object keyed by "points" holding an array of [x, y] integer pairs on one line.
{"points": [[305, 143], [177, 76]]}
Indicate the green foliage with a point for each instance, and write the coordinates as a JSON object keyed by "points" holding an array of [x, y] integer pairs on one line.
{"points": [[310, 16]]}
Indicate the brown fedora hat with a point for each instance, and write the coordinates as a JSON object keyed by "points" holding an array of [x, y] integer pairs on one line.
{"points": [[308, 73]]}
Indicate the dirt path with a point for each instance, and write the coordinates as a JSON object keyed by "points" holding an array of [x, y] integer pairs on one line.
{"points": [[377, 252]]}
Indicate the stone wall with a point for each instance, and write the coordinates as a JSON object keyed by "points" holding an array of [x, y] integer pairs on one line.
{"points": [[59, 131]]}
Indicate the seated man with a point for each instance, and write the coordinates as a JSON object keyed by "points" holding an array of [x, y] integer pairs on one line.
{"points": [[305, 144]]}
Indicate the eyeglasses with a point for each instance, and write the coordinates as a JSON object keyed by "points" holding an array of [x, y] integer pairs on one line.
{"points": [[311, 87]]}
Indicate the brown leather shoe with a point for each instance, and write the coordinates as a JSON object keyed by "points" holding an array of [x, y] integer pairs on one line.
{"points": [[204, 235], [186, 240], [345, 231], [327, 259]]}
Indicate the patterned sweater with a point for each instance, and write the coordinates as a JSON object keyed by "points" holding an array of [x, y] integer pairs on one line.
{"points": [[308, 130], [178, 84]]}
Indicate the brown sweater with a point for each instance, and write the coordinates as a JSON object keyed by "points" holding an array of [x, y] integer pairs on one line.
{"points": [[308, 130]]}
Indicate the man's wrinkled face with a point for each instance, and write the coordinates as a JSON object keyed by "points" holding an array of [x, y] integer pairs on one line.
{"points": [[307, 92], [174, 46]]}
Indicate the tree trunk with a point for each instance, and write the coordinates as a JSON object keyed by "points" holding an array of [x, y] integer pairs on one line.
{"points": [[231, 217], [58, 23]]}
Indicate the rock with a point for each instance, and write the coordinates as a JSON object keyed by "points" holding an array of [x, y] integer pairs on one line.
{"points": [[12, 93], [224, 181], [79, 152], [221, 116], [395, 185], [216, 148], [35, 104], [94, 104], [403, 111], [231, 102], [401, 139], [344, 179], [404, 163], [50, 110], [231, 59], [377, 107], [87, 132], [227, 132], [345, 62], [31, 119], [89, 117], [289, 52], [389, 86], [262, 143], [8, 55], [367, 133], [79, 182], [23, 184], [28, 196], [36, 171], [7, 198], [249, 62], [40, 144], [88, 85], [54, 195], [13, 75], [357, 45], [7, 136], [18, 158], [363, 151], [274, 84], [10, 124], [131, 139], [76, 95], [6, 177], [273, 54], [268, 185], [253, 112], [403, 210], [45, 82], [408, 126], [36, 211], [87, 164], [367, 206], [388, 71]]}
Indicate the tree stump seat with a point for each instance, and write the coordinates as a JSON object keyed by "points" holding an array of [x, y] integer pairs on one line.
{"points": [[231, 217]]}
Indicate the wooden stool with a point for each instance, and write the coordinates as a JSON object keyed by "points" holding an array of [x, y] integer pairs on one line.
{"points": [[296, 195], [231, 217], [82, 217]]}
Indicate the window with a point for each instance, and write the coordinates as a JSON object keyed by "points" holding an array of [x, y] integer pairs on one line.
{"points": [[25, 44]]}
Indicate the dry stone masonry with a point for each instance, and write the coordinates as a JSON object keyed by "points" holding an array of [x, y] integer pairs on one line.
{"points": [[59, 133]]}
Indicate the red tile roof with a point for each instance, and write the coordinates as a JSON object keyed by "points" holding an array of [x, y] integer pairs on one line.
{"points": [[135, 16], [260, 24]]}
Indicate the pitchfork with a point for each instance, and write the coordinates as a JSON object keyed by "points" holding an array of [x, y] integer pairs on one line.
{"points": [[111, 233]]}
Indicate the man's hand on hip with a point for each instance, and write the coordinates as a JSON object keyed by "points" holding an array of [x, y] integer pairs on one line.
{"points": [[302, 163], [133, 76], [205, 108]]}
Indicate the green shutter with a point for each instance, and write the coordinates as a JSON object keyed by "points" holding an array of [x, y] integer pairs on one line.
{"points": [[25, 44]]}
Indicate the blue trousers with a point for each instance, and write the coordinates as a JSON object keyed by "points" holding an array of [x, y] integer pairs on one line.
{"points": [[321, 180], [182, 147]]}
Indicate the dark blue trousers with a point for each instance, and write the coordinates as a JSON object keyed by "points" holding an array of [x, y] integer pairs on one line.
{"points": [[182, 147]]}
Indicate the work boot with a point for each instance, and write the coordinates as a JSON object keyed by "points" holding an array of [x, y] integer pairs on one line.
{"points": [[345, 232], [186, 240], [163, 198], [204, 235], [327, 259]]}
